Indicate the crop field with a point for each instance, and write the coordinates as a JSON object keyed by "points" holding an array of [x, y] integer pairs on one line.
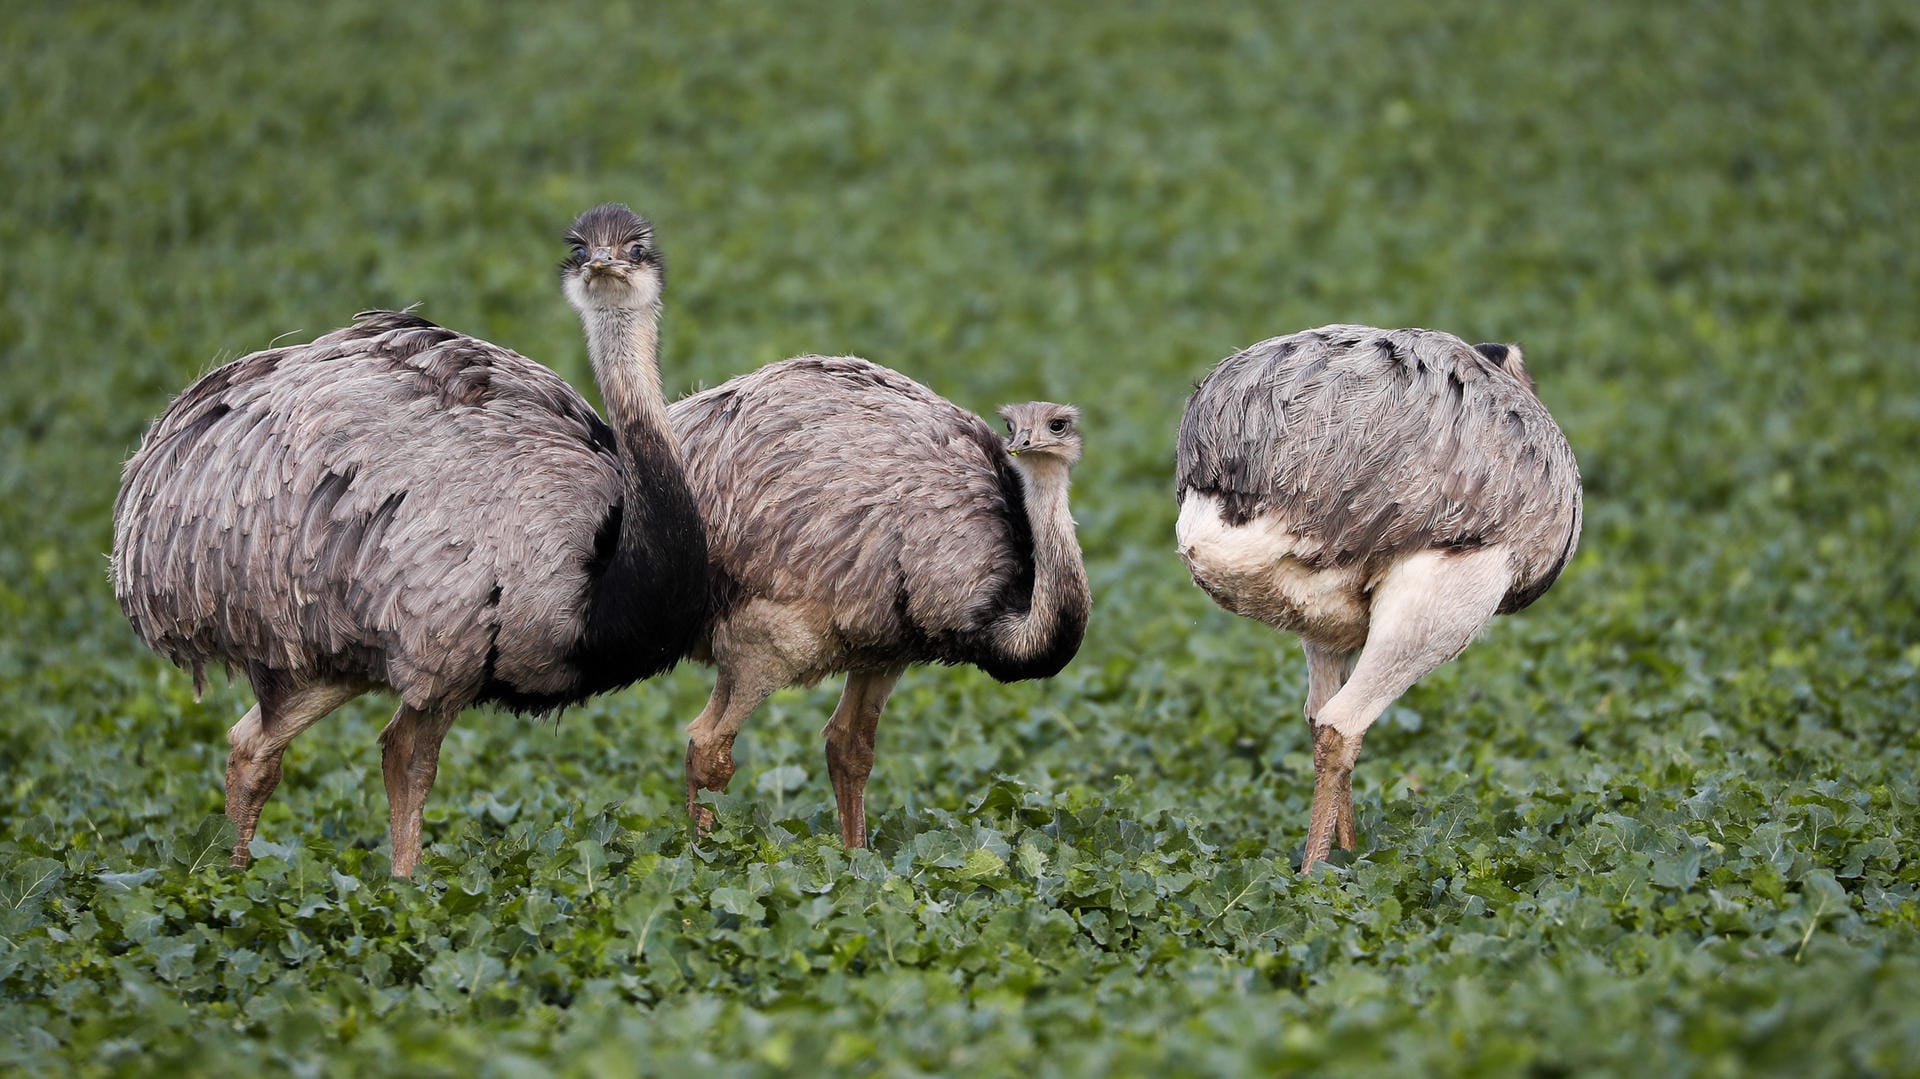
{"points": [[1661, 823]]}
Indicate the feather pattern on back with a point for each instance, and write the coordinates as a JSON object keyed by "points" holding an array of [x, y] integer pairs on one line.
{"points": [[392, 503], [1372, 444], [847, 487]]}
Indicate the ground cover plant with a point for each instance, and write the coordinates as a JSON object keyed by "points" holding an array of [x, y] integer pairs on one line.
{"points": [[1661, 823]]}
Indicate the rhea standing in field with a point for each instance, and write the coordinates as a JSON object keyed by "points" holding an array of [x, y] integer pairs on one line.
{"points": [[858, 522], [400, 506], [1383, 494]]}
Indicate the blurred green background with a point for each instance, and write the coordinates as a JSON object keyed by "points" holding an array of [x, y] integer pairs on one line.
{"points": [[1662, 822]]}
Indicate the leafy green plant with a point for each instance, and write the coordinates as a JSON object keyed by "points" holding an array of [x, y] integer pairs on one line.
{"points": [[1661, 823]]}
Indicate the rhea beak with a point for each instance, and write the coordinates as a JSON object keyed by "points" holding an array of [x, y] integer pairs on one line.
{"points": [[1021, 441], [601, 262]]}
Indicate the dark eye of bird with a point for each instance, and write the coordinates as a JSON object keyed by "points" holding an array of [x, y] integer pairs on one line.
{"points": [[1058, 427], [579, 252], [634, 252], [1009, 426]]}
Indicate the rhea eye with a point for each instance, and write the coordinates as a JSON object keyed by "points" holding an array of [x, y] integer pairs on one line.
{"points": [[579, 252], [1009, 426], [634, 251], [1058, 427]]}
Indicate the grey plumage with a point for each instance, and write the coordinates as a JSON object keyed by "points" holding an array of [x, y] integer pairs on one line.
{"points": [[859, 522], [1381, 489], [334, 510], [399, 505], [1375, 443]]}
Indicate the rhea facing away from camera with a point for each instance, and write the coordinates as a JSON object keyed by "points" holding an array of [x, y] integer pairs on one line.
{"points": [[1382, 494]]}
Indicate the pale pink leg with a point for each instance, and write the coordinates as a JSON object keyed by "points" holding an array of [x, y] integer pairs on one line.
{"points": [[258, 741], [850, 739], [1425, 612], [410, 761]]}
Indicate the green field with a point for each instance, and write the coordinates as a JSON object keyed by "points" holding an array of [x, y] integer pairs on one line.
{"points": [[1662, 823]]}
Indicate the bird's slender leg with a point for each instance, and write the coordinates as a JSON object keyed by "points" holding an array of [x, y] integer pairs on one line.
{"points": [[850, 735], [1327, 670], [410, 760], [1334, 755], [259, 740], [1426, 610], [703, 771], [736, 693]]}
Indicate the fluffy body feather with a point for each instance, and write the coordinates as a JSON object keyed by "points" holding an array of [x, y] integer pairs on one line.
{"points": [[840, 485], [1382, 493], [859, 522], [398, 505], [1365, 445], [394, 503]]}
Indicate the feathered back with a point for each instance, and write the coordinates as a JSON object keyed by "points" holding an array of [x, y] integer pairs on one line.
{"points": [[1375, 443], [394, 503], [834, 481]]}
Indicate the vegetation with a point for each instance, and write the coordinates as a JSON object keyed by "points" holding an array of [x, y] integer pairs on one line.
{"points": [[1661, 823]]}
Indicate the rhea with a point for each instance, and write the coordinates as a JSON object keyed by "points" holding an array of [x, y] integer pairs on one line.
{"points": [[1382, 494], [399, 506], [858, 522]]}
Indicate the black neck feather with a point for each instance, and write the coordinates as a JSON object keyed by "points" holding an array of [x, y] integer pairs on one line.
{"points": [[647, 604]]}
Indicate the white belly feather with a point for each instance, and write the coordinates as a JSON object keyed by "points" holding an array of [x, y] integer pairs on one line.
{"points": [[1262, 570]]}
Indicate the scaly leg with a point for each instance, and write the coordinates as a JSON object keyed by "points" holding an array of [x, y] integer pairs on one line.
{"points": [[258, 740], [737, 691], [1426, 610], [1327, 670], [410, 761], [850, 734]]}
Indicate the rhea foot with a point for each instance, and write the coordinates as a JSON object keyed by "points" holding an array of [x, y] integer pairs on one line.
{"points": [[1334, 755], [708, 768]]}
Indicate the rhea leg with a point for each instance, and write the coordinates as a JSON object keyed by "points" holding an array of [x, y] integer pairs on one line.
{"points": [[1327, 670], [1426, 610], [410, 761], [258, 740], [849, 734], [737, 691]]}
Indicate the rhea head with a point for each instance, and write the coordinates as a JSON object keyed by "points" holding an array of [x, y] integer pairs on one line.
{"points": [[611, 261], [1043, 431]]}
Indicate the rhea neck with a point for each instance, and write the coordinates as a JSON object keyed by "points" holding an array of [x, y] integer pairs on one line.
{"points": [[623, 342], [1048, 631], [1044, 479], [649, 597]]}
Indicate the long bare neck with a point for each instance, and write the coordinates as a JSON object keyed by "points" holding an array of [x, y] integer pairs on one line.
{"points": [[1056, 615], [624, 344]]}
